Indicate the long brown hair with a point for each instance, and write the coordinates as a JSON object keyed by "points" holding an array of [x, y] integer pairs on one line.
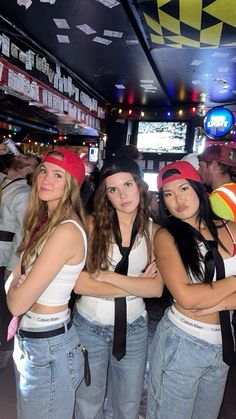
{"points": [[37, 227], [102, 235]]}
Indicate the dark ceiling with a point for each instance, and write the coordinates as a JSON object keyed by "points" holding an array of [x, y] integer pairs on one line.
{"points": [[145, 54]]}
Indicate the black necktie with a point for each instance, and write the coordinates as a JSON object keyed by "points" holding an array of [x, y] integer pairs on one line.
{"points": [[228, 346], [120, 323]]}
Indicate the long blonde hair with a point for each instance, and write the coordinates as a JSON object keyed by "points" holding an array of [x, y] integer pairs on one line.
{"points": [[36, 231]]}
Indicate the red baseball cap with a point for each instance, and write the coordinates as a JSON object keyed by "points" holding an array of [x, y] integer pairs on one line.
{"points": [[71, 162], [220, 153], [184, 170]]}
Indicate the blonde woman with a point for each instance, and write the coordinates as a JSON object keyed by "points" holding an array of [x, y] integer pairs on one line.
{"points": [[47, 354]]}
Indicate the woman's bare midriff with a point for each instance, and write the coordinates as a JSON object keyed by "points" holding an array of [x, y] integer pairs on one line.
{"points": [[41, 309], [210, 319]]}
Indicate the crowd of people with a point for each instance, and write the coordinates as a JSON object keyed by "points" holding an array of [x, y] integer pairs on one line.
{"points": [[70, 354]]}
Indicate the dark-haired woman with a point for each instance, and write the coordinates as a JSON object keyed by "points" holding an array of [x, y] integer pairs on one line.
{"points": [[187, 371], [121, 236]]}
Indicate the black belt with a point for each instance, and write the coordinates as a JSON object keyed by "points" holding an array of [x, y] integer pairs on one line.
{"points": [[6, 236], [46, 334]]}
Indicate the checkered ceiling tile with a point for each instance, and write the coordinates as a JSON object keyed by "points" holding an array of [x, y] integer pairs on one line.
{"points": [[192, 24]]}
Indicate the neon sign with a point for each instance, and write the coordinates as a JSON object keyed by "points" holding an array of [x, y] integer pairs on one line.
{"points": [[218, 122]]}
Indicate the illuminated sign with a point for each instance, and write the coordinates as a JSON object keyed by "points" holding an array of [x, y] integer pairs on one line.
{"points": [[218, 122], [20, 84]]}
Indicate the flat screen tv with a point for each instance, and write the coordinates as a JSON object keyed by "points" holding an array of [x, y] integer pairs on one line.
{"points": [[162, 137]]}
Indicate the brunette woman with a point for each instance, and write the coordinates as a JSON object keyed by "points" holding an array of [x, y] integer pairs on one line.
{"points": [[188, 368], [115, 329]]}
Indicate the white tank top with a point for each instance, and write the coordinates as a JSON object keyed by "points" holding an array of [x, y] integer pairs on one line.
{"points": [[59, 290], [101, 310], [229, 263]]}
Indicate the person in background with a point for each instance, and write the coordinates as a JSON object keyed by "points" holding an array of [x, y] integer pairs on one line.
{"points": [[131, 151], [120, 253], [88, 190], [3, 149], [47, 352], [90, 183], [187, 370], [15, 193], [216, 165], [5, 163]]}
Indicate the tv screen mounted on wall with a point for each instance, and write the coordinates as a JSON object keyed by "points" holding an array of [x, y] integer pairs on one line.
{"points": [[162, 137]]}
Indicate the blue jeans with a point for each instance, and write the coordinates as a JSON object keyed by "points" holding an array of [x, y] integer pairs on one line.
{"points": [[48, 372], [126, 376], [187, 375]]}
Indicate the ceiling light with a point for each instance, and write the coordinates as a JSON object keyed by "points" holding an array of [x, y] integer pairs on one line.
{"points": [[146, 81], [132, 42], [148, 86]]}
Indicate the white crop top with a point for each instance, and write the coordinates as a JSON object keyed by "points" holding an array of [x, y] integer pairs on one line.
{"points": [[59, 290], [101, 310]]}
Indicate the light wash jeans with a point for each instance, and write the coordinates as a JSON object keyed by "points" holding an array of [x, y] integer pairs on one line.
{"points": [[48, 372], [126, 376], [187, 375]]}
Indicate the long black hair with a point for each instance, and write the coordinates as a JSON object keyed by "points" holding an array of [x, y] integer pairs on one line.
{"points": [[187, 237]]}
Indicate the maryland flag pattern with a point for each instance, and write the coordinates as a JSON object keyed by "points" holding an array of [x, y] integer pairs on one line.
{"points": [[191, 23]]}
